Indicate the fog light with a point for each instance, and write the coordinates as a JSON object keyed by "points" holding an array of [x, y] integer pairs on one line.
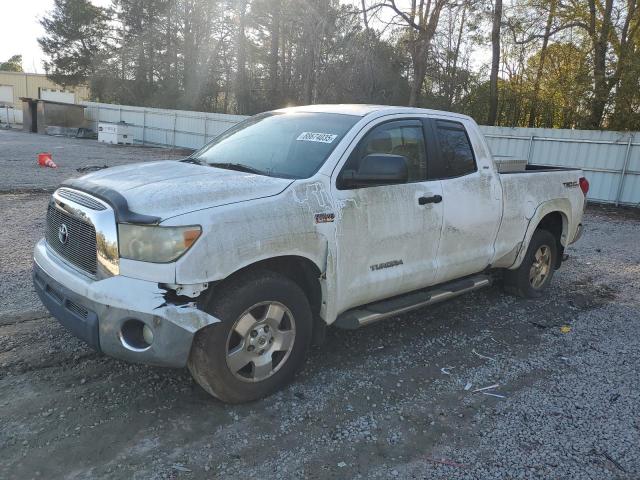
{"points": [[147, 334], [136, 335]]}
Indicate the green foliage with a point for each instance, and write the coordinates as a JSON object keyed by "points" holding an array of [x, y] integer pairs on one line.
{"points": [[14, 64], [565, 86], [75, 40], [247, 56]]}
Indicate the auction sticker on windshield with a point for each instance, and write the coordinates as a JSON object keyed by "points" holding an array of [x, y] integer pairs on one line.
{"points": [[316, 137]]}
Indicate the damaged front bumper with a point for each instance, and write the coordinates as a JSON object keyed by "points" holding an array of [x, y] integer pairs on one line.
{"points": [[110, 314]]}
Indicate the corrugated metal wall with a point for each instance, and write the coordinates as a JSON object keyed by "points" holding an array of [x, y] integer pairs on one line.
{"points": [[155, 126], [611, 160]]}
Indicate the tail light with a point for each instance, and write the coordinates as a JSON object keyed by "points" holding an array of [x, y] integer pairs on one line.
{"points": [[584, 185]]}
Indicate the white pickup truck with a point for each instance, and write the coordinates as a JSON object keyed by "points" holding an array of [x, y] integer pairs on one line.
{"points": [[235, 259]]}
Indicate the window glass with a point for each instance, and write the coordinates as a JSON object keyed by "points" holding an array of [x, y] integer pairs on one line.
{"points": [[289, 145], [396, 139], [456, 152]]}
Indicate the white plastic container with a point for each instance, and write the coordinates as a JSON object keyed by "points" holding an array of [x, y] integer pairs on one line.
{"points": [[115, 133]]}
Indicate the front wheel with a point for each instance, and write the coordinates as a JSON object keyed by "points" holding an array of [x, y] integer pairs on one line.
{"points": [[534, 275], [261, 341]]}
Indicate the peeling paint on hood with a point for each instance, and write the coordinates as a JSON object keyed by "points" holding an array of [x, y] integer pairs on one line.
{"points": [[169, 188]]}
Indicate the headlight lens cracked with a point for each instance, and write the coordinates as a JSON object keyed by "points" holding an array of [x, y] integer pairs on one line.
{"points": [[155, 244]]}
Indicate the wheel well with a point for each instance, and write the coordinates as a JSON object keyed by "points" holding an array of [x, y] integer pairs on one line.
{"points": [[301, 270], [554, 223]]}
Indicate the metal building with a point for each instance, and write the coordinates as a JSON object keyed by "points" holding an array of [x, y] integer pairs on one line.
{"points": [[16, 85]]}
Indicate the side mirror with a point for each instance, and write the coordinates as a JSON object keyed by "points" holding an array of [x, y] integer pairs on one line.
{"points": [[377, 169]]}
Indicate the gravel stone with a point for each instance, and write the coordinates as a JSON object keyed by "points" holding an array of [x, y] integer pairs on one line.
{"points": [[571, 408]]}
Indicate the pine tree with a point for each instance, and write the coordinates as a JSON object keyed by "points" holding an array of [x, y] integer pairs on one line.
{"points": [[74, 40]]}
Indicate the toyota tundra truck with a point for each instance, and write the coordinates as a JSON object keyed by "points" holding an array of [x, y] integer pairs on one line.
{"points": [[234, 261]]}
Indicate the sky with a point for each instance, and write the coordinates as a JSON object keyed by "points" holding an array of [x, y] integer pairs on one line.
{"points": [[20, 30]]}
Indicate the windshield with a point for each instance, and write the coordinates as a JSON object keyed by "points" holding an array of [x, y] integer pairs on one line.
{"points": [[288, 145]]}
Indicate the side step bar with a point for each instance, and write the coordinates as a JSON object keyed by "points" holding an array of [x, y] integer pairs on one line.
{"points": [[373, 312]]}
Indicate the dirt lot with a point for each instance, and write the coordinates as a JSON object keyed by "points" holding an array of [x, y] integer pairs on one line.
{"points": [[19, 150], [387, 401]]}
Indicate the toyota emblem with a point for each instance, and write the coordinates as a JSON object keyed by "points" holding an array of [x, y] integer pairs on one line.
{"points": [[63, 234]]}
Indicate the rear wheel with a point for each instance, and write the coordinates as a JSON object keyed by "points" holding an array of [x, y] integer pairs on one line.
{"points": [[534, 275], [261, 341]]}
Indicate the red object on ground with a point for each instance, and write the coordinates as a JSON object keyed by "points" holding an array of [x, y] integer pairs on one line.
{"points": [[44, 160], [42, 157]]}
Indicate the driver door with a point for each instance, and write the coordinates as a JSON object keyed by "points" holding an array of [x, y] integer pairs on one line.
{"points": [[387, 235]]}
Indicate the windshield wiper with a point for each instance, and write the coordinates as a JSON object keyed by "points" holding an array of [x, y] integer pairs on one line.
{"points": [[238, 167], [192, 160]]}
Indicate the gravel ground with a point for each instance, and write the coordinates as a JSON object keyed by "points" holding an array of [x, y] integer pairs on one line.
{"points": [[19, 159], [386, 401], [23, 202]]}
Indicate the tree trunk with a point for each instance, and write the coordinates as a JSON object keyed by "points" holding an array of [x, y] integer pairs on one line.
{"points": [[601, 87], [274, 31], [309, 77], [495, 63], [242, 88], [419, 72], [311, 43], [543, 55], [453, 84]]}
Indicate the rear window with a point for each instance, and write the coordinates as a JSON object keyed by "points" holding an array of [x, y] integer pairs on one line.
{"points": [[456, 154]]}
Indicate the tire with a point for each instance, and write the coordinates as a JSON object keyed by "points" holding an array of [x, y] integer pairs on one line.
{"points": [[544, 245], [261, 341]]}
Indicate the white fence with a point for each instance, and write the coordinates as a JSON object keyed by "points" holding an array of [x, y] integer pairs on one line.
{"points": [[155, 126], [611, 160], [10, 115]]}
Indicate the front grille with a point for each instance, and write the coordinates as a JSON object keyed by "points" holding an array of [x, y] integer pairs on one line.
{"points": [[81, 199], [80, 249]]}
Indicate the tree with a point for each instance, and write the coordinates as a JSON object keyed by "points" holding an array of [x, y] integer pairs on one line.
{"points": [[449, 77], [495, 62], [421, 22], [626, 114], [571, 63], [14, 64], [542, 55], [242, 90], [74, 41], [611, 27]]}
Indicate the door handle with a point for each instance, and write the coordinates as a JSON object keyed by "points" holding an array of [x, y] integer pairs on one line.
{"points": [[433, 199]]}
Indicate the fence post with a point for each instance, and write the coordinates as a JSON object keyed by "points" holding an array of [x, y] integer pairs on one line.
{"points": [[144, 123], [205, 130], [175, 119], [623, 172], [530, 149]]}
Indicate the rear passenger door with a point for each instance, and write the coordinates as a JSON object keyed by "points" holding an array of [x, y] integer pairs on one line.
{"points": [[472, 206]]}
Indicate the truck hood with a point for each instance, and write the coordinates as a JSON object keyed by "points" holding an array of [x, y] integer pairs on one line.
{"points": [[168, 188]]}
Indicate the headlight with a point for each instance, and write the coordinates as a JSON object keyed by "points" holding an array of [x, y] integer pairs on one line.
{"points": [[155, 244]]}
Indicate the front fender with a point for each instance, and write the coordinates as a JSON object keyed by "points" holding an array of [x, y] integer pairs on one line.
{"points": [[236, 236]]}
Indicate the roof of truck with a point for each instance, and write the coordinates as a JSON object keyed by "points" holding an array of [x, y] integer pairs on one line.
{"points": [[363, 110]]}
